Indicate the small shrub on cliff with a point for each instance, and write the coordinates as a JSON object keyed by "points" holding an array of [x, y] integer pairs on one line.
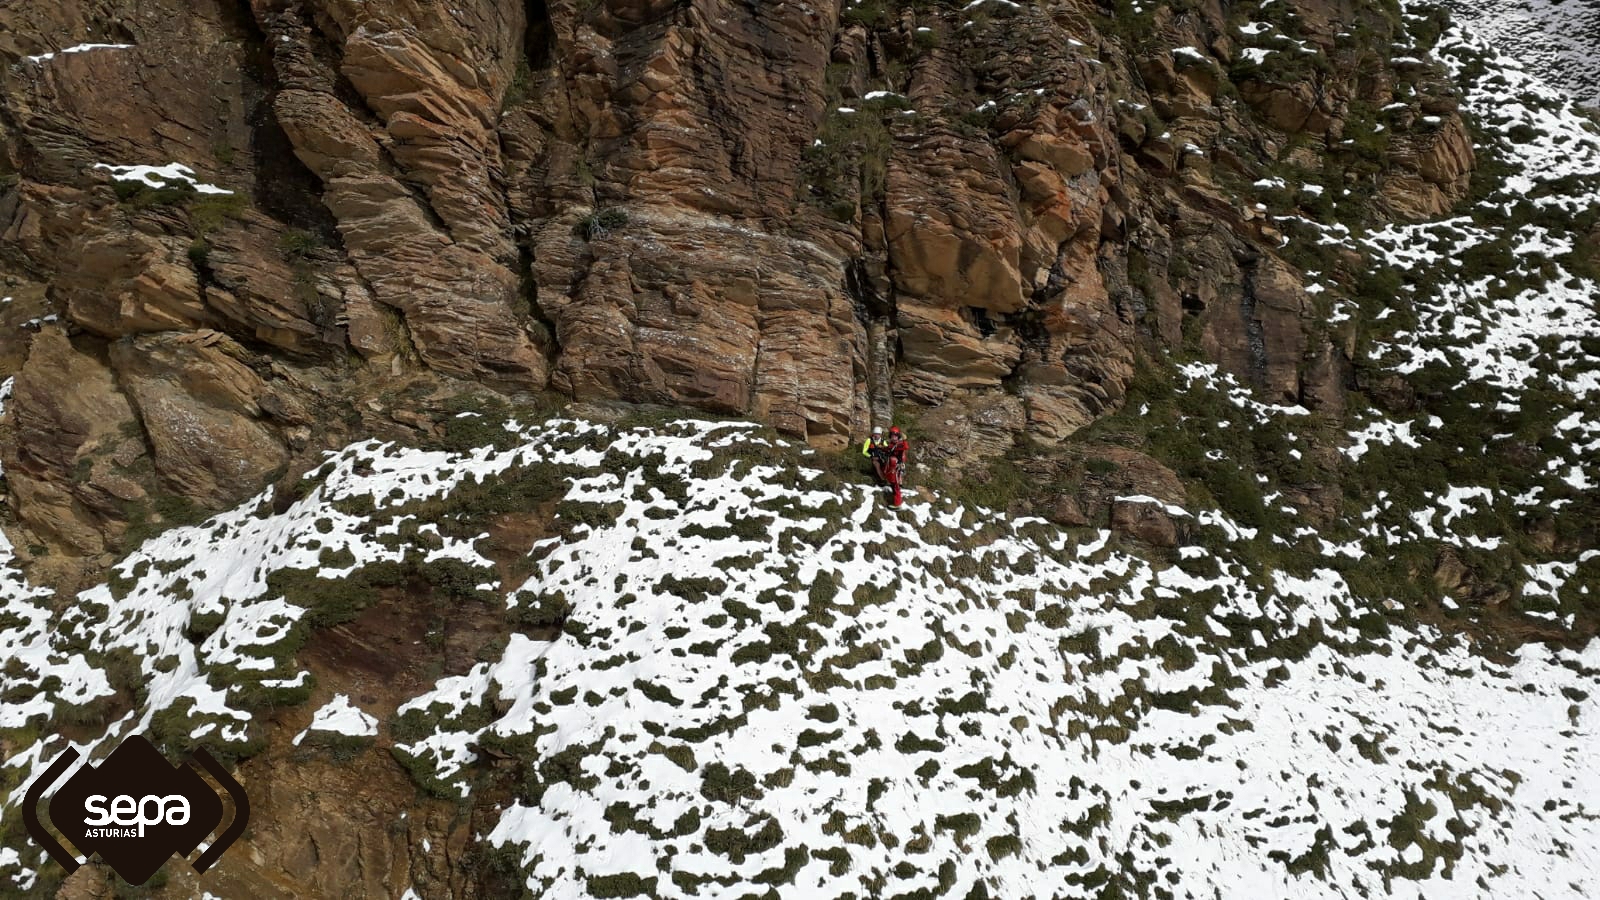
{"points": [[296, 244], [842, 210], [517, 90], [600, 223], [996, 486], [625, 884], [867, 13], [139, 195], [208, 213], [146, 520], [541, 610], [849, 159], [341, 747]]}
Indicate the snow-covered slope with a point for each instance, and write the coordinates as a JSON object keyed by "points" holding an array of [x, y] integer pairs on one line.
{"points": [[1557, 39], [1492, 317], [765, 678]]}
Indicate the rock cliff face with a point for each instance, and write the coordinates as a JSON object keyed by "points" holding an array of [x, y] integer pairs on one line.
{"points": [[818, 216]]}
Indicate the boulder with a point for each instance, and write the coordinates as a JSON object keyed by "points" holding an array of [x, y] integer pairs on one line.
{"points": [[201, 406], [1145, 521]]}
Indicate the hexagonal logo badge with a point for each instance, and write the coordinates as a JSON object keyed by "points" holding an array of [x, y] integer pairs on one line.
{"points": [[135, 810]]}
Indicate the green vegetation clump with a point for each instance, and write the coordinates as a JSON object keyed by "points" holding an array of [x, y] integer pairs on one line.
{"points": [[600, 223], [296, 244], [626, 884], [738, 843], [521, 83]]}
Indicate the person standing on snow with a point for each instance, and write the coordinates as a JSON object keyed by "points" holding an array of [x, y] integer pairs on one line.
{"points": [[876, 442], [888, 457], [876, 448], [895, 450]]}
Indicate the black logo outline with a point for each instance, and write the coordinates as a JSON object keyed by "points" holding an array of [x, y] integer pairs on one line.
{"points": [[69, 861]]}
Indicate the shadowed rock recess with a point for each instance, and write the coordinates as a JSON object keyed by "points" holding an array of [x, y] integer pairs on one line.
{"points": [[443, 413]]}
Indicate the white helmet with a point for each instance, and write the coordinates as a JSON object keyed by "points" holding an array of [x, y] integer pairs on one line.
{"points": [[877, 431]]}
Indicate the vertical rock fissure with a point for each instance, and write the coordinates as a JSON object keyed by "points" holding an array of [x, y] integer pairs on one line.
{"points": [[876, 315], [285, 188], [1255, 335], [538, 37], [537, 52]]}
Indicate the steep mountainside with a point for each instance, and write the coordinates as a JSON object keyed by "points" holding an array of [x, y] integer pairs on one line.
{"points": [[1555, 40], [718, 667], [442, 413]]}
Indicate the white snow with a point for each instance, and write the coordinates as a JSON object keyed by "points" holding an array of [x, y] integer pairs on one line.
{"points": [[161, 176], [80, 48], [340, 716]]}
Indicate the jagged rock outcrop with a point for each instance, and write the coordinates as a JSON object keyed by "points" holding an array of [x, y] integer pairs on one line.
{"points": [[1434, 171], [201, 408], [443, 259], [69, 418]]}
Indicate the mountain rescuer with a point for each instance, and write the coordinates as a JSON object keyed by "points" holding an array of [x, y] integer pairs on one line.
{"points": [[888, 457], [875, 442], [896, 465]]}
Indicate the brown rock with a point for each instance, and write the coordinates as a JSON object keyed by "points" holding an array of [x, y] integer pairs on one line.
{"points": [[1144, 521], [124, 282], [452, 284], [69, 417], [966, 430], [1262, 340], [1323, 383], [1082, 367], [1065, 154], [256, 292], [954, 255], [201, 409], [1066, 511], [1449, 572], [685, 309], [1433, 170], [1130, 474], [943, 351], [1291, 108]]}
